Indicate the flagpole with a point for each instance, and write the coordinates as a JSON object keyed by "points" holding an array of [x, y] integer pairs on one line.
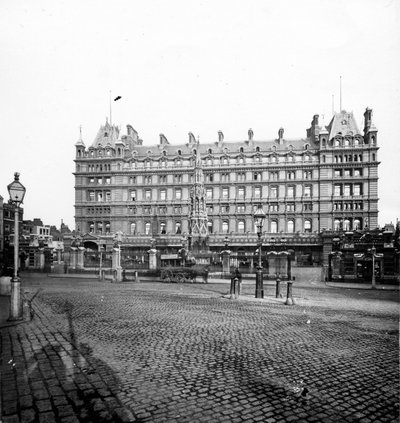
{"points": [[110, 108]]}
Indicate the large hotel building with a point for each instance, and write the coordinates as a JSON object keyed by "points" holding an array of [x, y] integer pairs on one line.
{"points": [[324, 183]]}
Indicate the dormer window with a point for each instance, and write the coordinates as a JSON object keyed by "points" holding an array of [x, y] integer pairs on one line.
{"points": [[106, 134], [241, 149]]}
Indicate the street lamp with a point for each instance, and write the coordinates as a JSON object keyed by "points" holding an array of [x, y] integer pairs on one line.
{"points": [[17, 194], [259, 217], [226, 242]]}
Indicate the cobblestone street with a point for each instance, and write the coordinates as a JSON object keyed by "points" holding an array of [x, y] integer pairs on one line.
{"points": [[97, 351]]}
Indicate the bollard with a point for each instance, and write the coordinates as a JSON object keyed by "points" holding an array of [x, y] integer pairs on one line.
{"points": [[289, 298], [278, 288], [232, 290], [235, 288], [136, 276], [236, 284]]}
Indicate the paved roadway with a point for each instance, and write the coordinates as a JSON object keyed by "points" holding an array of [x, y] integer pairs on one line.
{"points": [[152, 352]]}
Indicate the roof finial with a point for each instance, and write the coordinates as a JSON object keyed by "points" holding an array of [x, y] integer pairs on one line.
{"points": [[340, 93], [80, 132]]}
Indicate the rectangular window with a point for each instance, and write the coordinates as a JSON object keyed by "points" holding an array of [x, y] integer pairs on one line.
{"points": [[209, 193], [290, 207], [273, 192], [241, 193], [178, 194], [337, 190], [307, 191], [257, 176], [347, 173], [257, 192], [357, 172], [225, 193], [346, 191], [240, 208], [241, 176], [357, 189], [308, 174], [108, 196], [133, 195], [291, 175], [99, 181], [108, 180], [147, 209], [91, 196], [224, 177], [91, 180], [273, 207], [225, 209], [99, 196], [274, 176], [177, 209], [290, 191], [163, 194], [338, 173], [147, 194], [178, 179]]}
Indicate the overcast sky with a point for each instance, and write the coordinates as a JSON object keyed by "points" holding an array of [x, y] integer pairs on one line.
{"points": [[181, 66]]}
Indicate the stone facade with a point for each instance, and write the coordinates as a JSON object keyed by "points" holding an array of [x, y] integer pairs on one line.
{"points": [[327, 181]]}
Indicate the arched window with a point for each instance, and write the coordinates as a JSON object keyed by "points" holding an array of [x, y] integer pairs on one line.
{"points": [[225, 227], [356, 224], [108, 228], [290, 226], [257, 149], [178, 227], [147, 228], [336, 225], [163, 228], [210, 227], [346, 225], [91, 227], [241, 226], [241, 149], [209, 151], [307, 225]]}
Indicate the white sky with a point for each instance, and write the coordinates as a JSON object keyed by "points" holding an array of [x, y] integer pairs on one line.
{"points": [[181, 66]]}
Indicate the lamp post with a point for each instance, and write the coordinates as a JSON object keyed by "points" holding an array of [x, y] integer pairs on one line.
{"points": [[17, 194], [259, 217], [373, 251]]}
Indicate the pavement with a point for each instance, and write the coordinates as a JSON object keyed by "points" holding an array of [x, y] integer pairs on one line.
{"points": [[142, 352]]}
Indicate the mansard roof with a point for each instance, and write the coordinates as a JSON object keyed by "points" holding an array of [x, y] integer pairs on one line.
{"points": [[220, 148], [343, 123]]}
